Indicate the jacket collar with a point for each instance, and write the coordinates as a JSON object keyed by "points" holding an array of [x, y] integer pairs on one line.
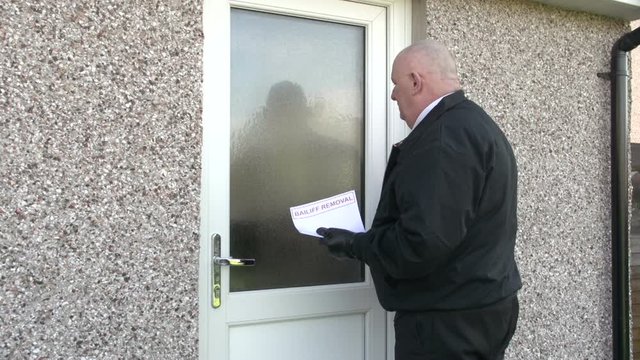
{"points": [[443, 106]]}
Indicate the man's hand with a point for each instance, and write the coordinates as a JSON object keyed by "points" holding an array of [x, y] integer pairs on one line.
{"points": [[339, 241]]}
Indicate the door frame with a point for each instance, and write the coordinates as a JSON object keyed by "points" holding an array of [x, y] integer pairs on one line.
{"points": [[399, 33]]}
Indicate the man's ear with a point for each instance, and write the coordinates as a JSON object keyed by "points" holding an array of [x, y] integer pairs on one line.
{"points": [[417, 82]]}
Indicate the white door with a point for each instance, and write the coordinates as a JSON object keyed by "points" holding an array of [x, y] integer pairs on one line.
{"points": [[295, 108]]}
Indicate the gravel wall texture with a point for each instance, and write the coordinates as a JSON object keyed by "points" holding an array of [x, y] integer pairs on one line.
{"points": [[99, 178]]}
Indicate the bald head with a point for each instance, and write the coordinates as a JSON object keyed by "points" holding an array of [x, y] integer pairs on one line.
{"points": [[422, 73], [430, 55]]}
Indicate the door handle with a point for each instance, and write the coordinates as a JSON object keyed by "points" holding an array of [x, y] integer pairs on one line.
{"points": [[226, 261], [216, 262]]}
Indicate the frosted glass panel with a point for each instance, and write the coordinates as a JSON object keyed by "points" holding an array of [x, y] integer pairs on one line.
{"points": [[297, 113]]}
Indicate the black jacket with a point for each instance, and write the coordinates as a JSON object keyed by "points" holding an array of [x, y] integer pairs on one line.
{"points": [[444, 233]]}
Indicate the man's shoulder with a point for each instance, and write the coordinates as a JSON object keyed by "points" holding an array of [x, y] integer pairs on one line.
{"points": [[468, 115], [468, 126]]}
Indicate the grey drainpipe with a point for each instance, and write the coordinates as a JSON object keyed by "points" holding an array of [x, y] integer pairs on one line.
{"points": [[620, 192]]}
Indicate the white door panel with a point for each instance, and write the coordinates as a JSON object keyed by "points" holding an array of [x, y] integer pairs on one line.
{"points": [[336, 338]]}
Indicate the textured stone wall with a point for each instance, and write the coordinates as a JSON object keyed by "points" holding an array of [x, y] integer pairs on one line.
{"points": [[533, 67], [99, 178]]}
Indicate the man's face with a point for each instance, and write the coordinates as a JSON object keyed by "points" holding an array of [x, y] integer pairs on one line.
{"points": [[402, 89]]}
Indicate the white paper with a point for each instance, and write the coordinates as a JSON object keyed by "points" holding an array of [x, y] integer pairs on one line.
{"points": [[339, 211]]}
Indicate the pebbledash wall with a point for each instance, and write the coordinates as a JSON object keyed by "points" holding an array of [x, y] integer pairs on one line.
{"points": [[100, 135]]}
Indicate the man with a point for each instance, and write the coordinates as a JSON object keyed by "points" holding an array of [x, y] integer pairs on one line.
{"points": [[441, 246]]}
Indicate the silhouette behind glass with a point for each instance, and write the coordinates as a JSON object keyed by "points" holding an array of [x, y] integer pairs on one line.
{"points": [[279, 161]]}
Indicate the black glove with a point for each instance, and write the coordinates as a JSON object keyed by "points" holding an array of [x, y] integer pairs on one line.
{"points": [[339, 241]]}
